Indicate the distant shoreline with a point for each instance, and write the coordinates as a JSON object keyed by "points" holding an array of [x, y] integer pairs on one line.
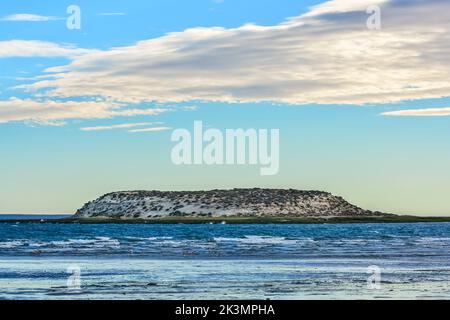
{"points": [[238, 220]]}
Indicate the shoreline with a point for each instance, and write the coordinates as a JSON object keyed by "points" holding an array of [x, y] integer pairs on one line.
{"points": [[238, 220]]}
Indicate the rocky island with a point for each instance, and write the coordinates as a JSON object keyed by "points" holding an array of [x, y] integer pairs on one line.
{"points": [[232, 204], [236, 206]]}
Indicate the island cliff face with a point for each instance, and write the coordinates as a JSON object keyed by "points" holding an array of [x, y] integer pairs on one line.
{"points": [[217, 203]]}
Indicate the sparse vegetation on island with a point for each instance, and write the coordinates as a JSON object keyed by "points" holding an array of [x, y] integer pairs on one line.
{"points": [[236, 206], [235, 203]]}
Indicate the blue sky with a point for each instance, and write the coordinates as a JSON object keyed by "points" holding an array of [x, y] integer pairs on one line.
{"points": [[362, 113]]}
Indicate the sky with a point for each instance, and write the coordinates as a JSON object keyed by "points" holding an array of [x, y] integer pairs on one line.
{"points": [[363, 112]]}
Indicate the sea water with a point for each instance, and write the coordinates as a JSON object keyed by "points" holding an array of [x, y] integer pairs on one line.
{"points": [[182, 261]]}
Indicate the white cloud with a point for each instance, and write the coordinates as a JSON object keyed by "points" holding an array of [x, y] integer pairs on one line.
{"points": [[49, 111], [28, 17], [155, 129], [111, 14], [342, 6], [35, 48], [430, 112], [327, 56], [117, 126]]}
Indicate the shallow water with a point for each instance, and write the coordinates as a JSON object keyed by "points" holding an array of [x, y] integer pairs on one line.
{"points": [[224, 261]]}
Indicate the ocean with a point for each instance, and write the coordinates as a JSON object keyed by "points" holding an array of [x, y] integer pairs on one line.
{"points": [[33, 216], [220, 261]]}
